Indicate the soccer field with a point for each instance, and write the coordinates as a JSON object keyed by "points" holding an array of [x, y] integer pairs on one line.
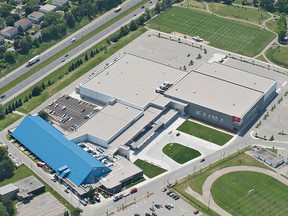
{"points": [[250, 193], [222, 33]]}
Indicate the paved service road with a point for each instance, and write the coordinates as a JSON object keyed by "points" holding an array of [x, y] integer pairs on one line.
{"points": [[73, 53]]}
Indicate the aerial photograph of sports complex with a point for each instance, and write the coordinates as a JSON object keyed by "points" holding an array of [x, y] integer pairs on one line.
{"points": [[173, 108]]}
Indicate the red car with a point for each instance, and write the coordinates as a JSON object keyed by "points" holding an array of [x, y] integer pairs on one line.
{"points": [[133, 190]]}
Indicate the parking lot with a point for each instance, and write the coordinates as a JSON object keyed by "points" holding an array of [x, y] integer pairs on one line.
{"points": [[160, 204], [40, 204], [70, 113]]}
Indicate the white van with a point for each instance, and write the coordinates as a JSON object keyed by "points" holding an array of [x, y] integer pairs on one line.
{"points": [[73, 40]]}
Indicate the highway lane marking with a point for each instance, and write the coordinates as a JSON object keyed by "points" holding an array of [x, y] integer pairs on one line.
{"points": [[278, 90], [284, 83]]}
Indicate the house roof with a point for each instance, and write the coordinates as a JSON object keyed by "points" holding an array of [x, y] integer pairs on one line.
{"points": [[23, 22], [9, 30], [36, 14], [62, 155]]}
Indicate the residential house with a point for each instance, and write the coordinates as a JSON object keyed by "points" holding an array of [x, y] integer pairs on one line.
{"points": [[47, 8], [25, 24], [60, 3], [36, 17], [9, 32]]}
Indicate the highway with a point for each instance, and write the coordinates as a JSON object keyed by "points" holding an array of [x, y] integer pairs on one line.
{"points": [[13, 92]]}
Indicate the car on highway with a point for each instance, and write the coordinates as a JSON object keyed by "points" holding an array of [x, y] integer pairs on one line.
{"points": [[66, 55], [134, 14], [73, 40], [202, 160], [63, 60], [2, 96], [142, 7]]}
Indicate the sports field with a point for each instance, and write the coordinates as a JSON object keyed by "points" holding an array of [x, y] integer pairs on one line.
{"points": [[250, 194], [222, 33]]}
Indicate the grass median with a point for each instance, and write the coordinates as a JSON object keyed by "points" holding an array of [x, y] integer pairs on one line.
{"points": [[149, 169], [69, 48]]}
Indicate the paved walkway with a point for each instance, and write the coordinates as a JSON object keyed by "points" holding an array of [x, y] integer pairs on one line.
{"points": [[207, 199]]}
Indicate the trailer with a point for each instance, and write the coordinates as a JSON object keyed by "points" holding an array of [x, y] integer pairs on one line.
{"points": [[117, 9], [33, 61]]}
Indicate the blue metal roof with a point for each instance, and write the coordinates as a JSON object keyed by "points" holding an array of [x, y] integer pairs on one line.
{"points": [[62, 155]]}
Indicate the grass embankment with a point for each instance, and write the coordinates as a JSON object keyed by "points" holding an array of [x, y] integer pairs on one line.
{"points": [[250, 193], [234, 36], [180, 153], [150, 170], [278, 55], [254, 15], [67, 49], [194, 4], [203, 132]]}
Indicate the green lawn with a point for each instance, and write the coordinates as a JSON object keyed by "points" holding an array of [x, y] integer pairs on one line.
{"points": [[9, 119], [149, 169], [194, 4], [222, 33], [273, 25], [204, 132], [278, 55], [20, 173], [261, 58], [239, 12], [269, 196], [180, 153]]}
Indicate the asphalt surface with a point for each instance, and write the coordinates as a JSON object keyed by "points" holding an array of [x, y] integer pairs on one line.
{"points": [[73, 53]]}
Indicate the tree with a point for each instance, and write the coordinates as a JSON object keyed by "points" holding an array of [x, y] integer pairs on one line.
{"points": [[36, 91], [9, 206], [2, 23], [133, 25], [91, 54], [5, 10], [9, 57], [44, 115], [282, 27], [10, 108], [86, 57], [228, 2], [20, 102], [157, 8], [267, 5], [69, 19], [28, 10], [7, 168], [76, 212], [282, 6], [24, 46], [142, 19], [3, 154], [43, 86], [66, 213], [9, 21], [3, 211]]}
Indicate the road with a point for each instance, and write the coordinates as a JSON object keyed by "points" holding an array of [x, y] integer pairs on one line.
{"points": [[73, 53]]}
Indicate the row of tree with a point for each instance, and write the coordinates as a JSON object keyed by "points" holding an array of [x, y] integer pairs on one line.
{"points": [[282, 27]]}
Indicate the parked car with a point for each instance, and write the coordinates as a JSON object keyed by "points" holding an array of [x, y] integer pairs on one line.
{"points": [[202, 160], [164, 189], [196, 212], [133, 190]]}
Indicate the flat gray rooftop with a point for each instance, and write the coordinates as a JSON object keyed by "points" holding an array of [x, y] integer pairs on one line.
{"points": [[236, 76], [122, 170], [215, 94], [133, 79], [107, 122], [8, 188], [148, 116], [28, 185]]}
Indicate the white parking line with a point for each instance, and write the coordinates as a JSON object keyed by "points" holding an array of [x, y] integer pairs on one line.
{"points": [[284, 83]]}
